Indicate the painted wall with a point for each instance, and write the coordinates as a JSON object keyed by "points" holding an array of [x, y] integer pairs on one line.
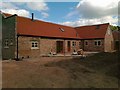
{"points": [[8, 33]]}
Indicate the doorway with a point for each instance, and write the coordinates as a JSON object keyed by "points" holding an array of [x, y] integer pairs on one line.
{"points": [[117, 44], [68, 46], [59, 46]]}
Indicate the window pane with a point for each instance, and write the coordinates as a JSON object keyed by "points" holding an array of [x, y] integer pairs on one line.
{"points": [[73, 43], [6, 43], [86, 43], [36, 45], [95, 42], [99, 43], [32, 44]]}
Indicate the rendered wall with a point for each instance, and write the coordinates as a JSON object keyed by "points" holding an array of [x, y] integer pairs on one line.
{"points": [[8, 32]]}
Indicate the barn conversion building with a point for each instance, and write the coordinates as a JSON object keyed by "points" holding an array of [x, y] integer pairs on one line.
{"points": [[25, 37]]}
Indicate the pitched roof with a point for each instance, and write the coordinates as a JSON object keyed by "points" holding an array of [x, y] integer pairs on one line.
{"points": [[25, 26], [92, 31]]}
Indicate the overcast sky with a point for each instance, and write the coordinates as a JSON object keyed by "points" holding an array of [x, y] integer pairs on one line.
{"points": [[84, 12]]}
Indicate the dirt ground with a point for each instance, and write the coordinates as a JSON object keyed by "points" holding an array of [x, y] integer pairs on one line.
{"points": [[97, 71]]}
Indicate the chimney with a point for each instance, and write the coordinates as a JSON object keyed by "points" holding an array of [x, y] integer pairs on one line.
{"points": [[32, 16]]}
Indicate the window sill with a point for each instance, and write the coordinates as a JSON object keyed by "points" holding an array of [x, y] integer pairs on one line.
{"points": [[34, 48]]}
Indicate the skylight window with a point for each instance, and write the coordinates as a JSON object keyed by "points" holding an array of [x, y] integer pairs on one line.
{"points": [[62, 29]]}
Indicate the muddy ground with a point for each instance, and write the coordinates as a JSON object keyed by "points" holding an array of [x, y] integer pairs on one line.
{"points": [[98, 71]]}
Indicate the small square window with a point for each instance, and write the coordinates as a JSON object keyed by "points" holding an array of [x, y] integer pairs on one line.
{"points": [[34, 45], [97, 43], [73, 43]]}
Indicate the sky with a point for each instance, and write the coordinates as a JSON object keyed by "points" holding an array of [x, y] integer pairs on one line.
{"points": [[78, 13]]}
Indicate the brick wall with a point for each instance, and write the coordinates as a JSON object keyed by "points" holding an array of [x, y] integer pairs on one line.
{"points": [[24, 46], [45, 46], [92, 47]]}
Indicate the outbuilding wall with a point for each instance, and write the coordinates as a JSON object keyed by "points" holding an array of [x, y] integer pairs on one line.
{"points": [[45, 46], [91, 47], [8, 37]]}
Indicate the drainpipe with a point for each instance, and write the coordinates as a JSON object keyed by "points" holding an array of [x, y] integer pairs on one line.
{"points": [[64, 47], [17, 59], [83, 44]]}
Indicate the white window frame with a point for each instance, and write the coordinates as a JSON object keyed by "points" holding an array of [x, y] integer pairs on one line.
{"points": [[33, 45], [98, 42], [73, 43]]}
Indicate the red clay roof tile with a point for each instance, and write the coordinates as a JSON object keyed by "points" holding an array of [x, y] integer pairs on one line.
{"points": [[25, 26], [92, 31]]}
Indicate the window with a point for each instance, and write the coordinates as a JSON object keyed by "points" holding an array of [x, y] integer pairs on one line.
{"points": [[11, 41], [34, 45], [62, 29], [86, 43], [97, 43], [73, 43], [6, 45]]}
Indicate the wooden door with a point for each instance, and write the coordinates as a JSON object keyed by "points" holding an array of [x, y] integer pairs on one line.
{"points": [[59, 46], [68, 46]]}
